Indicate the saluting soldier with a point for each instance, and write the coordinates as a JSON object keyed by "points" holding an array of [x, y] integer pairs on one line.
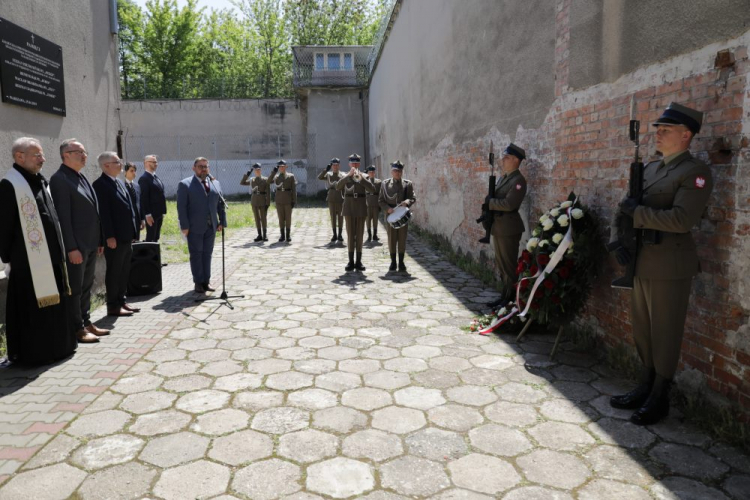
{"points": [[396, 192], [507, 225], [260, 200], [675, 193], [373, 207], [355, 186], [335, 198], [286, 198]]}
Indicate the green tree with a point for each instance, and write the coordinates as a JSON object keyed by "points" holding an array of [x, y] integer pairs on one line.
{"points": [[130, 47], [333, 22]]}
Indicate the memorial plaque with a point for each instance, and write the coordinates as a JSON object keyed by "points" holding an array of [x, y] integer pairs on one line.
{"points": [[31, 70]]}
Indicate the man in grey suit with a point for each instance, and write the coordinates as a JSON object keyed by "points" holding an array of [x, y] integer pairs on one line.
{"points": [[78, 210], [201, 215]]}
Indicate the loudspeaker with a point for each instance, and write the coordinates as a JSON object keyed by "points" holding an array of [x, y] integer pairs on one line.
{"points": [[145, 269]]}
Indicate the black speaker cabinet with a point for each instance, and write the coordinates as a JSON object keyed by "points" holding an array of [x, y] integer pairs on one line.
{"points": [[145, 269]]}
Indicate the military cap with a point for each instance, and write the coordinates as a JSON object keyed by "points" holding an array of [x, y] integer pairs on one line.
{"points": [[514, 150], [257, 165], [354, 158], [335, 160], [397, 165], [677, 114], [281, 163], [371, 168]]}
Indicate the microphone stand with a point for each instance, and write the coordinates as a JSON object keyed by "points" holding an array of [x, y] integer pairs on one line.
{"points": [[224, 297]]}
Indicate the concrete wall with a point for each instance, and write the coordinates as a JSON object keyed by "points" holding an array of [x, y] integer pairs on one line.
{"points": [[567, 74]]}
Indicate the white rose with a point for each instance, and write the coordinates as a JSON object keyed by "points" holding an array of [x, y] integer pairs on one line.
{"points": [[548, 224], [536, 232], [544, 218], [502, 312], [577, 213], [566, 204], [557, 238], [543, 243], [562, 220], [532, 243], [554, 212]]}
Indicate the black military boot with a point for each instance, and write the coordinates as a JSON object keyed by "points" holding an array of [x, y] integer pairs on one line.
{"points": [[401, 265], [656, 406], [375, 233], [259, 237], [393, 262], [350, 266], [635, 398], [265, 235], [358, 266], [340, 238], [333, 240], [369, 236], [288, 236], [283, 236]]}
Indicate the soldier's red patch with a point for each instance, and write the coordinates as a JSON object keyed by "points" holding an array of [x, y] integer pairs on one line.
{"points": [[518, 187], [700, 182]]}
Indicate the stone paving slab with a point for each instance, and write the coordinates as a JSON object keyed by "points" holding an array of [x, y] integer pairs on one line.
{"points": [[323, 384]]}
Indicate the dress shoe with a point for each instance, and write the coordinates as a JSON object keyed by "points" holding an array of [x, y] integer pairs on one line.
{"points": [[85, 337], [656, 406], [333, 240], [265, 237], [199, 288], [637, 397], [340, 238], [119, 312], [207, 287], [99, 332], [131, 308]]}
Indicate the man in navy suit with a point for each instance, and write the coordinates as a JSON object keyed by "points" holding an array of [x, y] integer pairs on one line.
{"points": [[120, 227], [153, 201], [134, 191], [201, 215]]}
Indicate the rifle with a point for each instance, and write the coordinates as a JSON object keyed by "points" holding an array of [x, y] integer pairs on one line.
{"points": [[487, 218], [628, 236]]}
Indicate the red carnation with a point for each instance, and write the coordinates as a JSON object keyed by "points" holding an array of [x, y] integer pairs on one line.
{"points": [[549, 285], [526, 256], [543, 259], [534, 270], [520, 267], [564, 272], [524, 284]]}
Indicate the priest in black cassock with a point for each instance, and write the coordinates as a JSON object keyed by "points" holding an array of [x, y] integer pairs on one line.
{"points": [[37, 321]]}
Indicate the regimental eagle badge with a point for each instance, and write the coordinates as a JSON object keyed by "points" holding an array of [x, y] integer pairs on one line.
{"points": [[518, 187], [700, 182]]}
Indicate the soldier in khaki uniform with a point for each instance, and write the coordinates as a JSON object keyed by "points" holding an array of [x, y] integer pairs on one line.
{"points": [[675, 193], [355, 186], [396, 192], [260, 200], [507, 225], [334, 197], [373, 207], [286, 198]]}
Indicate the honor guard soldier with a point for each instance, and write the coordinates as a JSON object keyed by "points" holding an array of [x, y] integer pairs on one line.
{"points": [[675, 193], [507, 225], [334, 197], [355, 187], [396, 192], [286, 198], [260, 200], [373, 207]]}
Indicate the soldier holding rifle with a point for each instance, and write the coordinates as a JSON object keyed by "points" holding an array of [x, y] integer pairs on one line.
{"points": [[672, 198]]}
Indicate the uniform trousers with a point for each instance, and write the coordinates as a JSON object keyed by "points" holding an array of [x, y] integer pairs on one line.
{"points": [[336, 212], [261, 217], [396, 239], [201, 248], [506, 258], [355, 230], [285, 215], [372, 218]]}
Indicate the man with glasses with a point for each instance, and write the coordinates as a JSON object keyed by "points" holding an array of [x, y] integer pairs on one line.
{"points": [[78, 210], [153, 200]]}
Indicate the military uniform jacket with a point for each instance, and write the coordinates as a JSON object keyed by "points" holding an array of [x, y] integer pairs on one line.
{"points": [[509, 195], [286, 187], [393, 192], [674, 198], [331, 178], [354, 195], [373, 198], [260, 189]]}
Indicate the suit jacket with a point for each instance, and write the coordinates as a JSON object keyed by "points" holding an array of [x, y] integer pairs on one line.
{"points": [[119, 220], [334, 196], [153, 201], [136, 201], [78, 210], [286, 187], [196, 209], [674, 198], [509, 195]]}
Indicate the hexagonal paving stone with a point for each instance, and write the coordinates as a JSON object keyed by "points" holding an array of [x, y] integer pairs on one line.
{"points": [[160, 423], [421, 351], [360, 366], [140, 383], [374, 332], [317, 342], [472, 395], [308, 446], [621, 433], [187, 384], [553, 468], [499, 440], [672, 488], [337, 353], [436, 379], [254, 401], [372, 444], [106, 451], [267, 479], [55, 482], [339, 419], [252, 354], [604, 489], [164, 355], [276, 343], [280, 420], [209, 355], [398, 420], [419, 398], [511, 414], [613, 462], [337, 332], [434, 340], [484, 377], [220, 422], [405, 365], [147, 402], [98, 424], [366, 398], [238, 382], [197, 344], [536, 493], [131, 480], [437, 444], [200, 479], [241, 447], [315, 366], [386, 379], [174, 449], [340, 477], [289, 381], [202, 401], [313, 399], [380, 353], [561, 436], [221, 368], [338, 381], [177, 368], [414, 476], [269, 366], [451, 364], [566, 411], [483, 473], [455, 417], [688, 460]]}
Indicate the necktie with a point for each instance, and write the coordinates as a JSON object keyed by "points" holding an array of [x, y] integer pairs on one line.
{"points": [[206, 186]]}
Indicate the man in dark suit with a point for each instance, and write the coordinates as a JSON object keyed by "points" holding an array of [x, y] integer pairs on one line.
{"points": [[78, 210], [120, 227], [201, 215], [153, 201], [134, 191]]}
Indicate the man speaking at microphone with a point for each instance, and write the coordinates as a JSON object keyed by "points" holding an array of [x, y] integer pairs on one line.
{"points": [[201, 215]]}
